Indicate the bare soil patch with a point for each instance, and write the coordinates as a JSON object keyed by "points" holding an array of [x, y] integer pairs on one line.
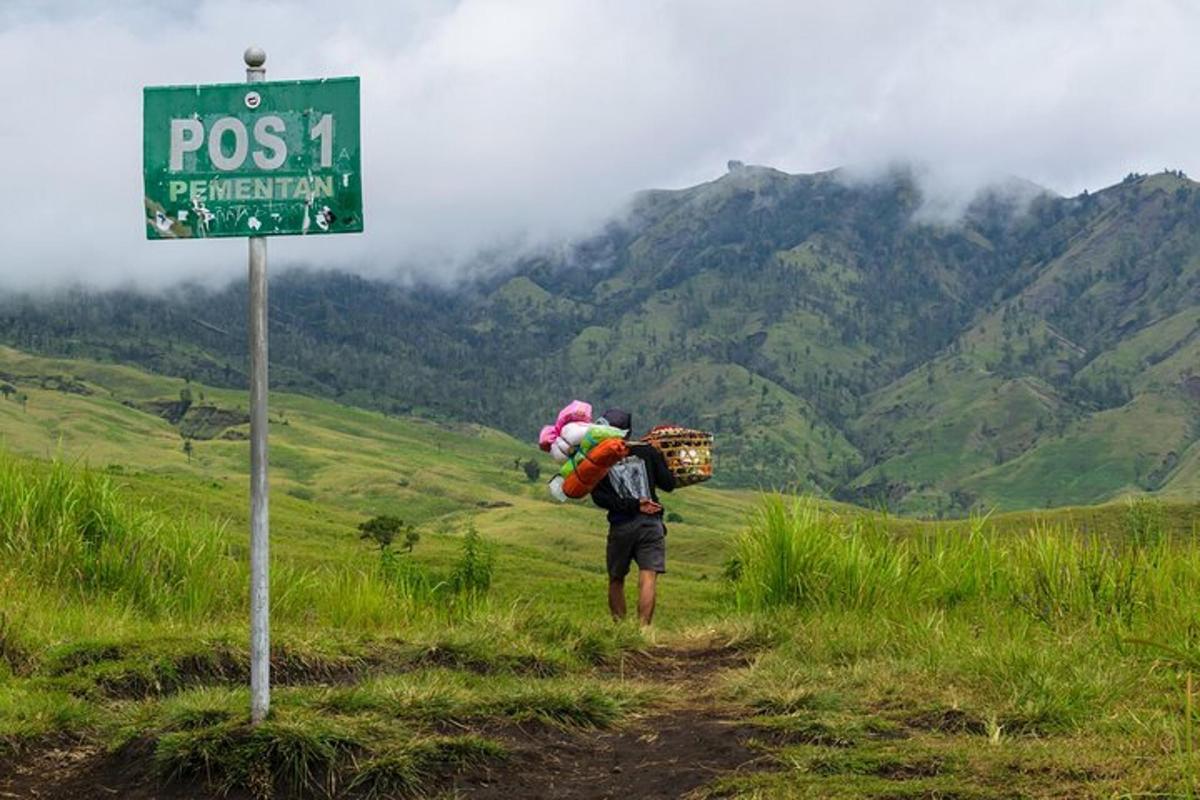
{"points": [[75, 772], [671, 752], [949, 720], [688, 668], [667, 755]]}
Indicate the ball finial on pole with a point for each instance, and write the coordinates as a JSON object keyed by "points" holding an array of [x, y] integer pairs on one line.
{"points": [[255, 57]]}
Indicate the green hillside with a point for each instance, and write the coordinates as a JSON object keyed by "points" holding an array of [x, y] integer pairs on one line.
{"points": [[1039, 351], [1076, 389], [332, 467]]}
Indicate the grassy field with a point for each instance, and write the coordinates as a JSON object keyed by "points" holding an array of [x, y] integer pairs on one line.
{"points": [[334, 466], [802, 649], [1045, 663]]}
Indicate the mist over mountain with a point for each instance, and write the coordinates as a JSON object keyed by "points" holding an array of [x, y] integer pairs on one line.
{"points": [[1041, 350], [508, 126]]}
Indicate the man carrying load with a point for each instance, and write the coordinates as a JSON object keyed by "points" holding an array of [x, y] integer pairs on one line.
{"points": [[636, 531]]}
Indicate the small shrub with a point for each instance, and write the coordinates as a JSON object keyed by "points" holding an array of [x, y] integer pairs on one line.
{"points": [[413, 583], [674, 516], [411, 537], [472, 575]]}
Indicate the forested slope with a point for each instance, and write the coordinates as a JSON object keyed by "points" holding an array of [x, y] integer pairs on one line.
{"points": [[1039, 351]]}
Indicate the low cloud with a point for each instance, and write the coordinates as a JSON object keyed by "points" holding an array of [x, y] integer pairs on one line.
{"points": [[499, 124]]}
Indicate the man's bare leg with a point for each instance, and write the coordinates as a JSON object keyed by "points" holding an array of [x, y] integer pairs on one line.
{"points": [[647, 584], [616, 598]]}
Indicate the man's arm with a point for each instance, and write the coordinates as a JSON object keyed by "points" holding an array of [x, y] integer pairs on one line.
{"points": [[607, 498], [660, 473]]}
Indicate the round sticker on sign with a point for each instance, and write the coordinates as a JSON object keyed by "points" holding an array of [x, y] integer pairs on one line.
{"points": [[253, 100]]}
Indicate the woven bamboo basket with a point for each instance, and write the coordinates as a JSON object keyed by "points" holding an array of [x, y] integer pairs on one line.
{"points": [[689, 453]]}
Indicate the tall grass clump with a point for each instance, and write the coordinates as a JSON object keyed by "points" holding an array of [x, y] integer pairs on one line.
{"points": [[795, 555], [72, 530], [1145, 521]]}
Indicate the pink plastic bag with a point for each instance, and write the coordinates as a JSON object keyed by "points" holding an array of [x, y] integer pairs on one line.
{"points": [[577, 411], [547, 437]]}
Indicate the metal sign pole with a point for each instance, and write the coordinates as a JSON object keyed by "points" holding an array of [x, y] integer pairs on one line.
{"points": [[294, 170], [260, 636]]}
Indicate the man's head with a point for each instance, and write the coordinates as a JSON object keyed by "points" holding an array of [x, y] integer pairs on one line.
{"points": [[619, 418]]}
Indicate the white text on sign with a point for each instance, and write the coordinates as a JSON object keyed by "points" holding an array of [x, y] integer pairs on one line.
{"points": [[188, 136]]}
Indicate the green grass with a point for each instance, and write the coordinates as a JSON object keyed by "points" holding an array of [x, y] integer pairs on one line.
{"points": [[457, 697], [303, 752], [73, 533], [379, 736], [1033, 653], [802, 556], [1126, 450], [420, 641], [937, 662]]}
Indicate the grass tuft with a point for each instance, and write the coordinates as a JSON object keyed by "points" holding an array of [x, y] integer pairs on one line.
{"points": [[300, 751], [71, 530], [300, 755], [800, 556], [405, 771]]}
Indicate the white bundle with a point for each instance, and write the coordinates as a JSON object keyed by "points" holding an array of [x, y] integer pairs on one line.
{"points": [[574, 432], [561, 450]]}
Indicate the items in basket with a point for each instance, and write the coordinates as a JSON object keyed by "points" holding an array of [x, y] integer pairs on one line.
{"points": [[689, 453]]}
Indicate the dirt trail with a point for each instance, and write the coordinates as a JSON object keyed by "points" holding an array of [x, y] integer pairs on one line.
{"points": [[673, 751], [685, 742], [83, 772]]}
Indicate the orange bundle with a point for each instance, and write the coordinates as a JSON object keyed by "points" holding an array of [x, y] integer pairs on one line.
{"points": [[592, 468]]}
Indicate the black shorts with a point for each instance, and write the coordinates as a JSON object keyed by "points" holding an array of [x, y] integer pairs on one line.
{"points": [[642, 539]]}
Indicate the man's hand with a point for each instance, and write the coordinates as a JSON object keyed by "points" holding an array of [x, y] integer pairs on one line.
{"points": [[649, 507]]}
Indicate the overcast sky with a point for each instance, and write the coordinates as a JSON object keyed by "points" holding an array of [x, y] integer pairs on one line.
{"points": [[489, 121]]}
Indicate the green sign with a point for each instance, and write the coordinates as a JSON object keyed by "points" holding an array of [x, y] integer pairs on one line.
{"points": [[252, 159]]}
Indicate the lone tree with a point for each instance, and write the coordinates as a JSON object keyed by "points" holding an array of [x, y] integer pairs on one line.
{"points": [[8, 390], [188, 449], [384, 530]]}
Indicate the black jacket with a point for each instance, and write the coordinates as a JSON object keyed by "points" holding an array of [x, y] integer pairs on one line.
{"points": [[621, 490]]}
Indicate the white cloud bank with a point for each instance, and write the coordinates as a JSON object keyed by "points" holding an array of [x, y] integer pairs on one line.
{"points": [[487, 121]]}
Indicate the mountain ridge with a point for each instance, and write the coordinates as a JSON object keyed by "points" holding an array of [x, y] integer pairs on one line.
{"points": [[830, 338]]}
